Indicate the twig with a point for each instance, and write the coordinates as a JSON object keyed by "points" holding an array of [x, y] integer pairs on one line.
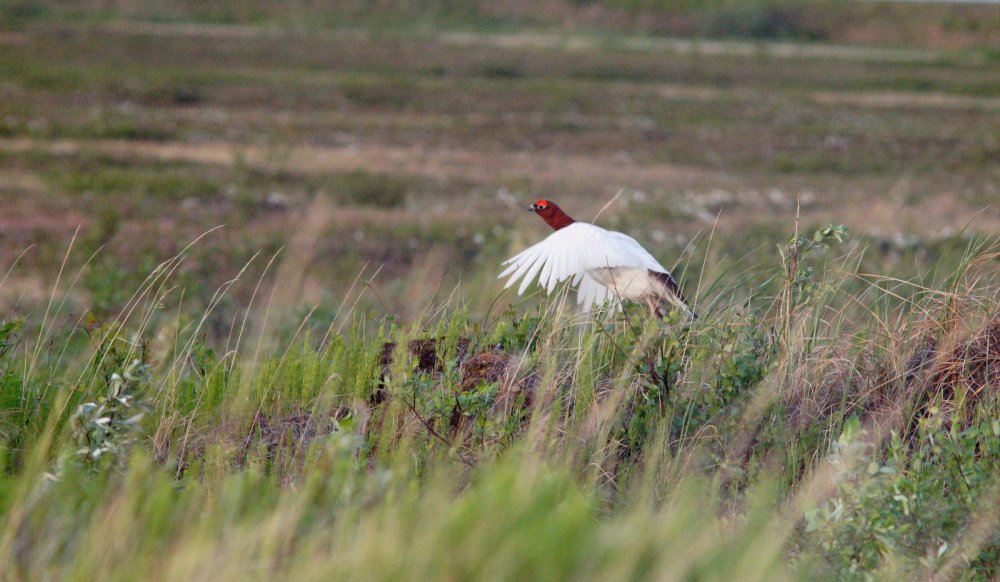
{"points": [[430, 428]]}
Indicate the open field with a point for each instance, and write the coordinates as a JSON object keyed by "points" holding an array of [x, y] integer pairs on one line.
{"points": [[251, 326], [171, 130]]}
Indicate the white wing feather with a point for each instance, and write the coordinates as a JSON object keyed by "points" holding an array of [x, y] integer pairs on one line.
{"points": [[569, 253]]}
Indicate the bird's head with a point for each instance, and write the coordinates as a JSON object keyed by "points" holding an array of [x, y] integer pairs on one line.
{"points": [[551, 214], [543, 207]]}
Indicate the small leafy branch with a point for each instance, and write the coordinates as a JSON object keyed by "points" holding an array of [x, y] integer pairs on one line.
{"points": [[799, 273], [8, 335], [108, 426]]}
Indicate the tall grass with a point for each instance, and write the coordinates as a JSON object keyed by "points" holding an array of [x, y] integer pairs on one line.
{"points": [[824, 421]]}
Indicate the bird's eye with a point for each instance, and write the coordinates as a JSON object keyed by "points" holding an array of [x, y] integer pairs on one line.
{"points": [[540, 206]]}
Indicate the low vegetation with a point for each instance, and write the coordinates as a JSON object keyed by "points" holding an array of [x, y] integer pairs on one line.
{"points": [[822, 422]]}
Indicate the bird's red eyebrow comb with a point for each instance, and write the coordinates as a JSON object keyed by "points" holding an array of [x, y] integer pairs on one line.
{"points": [[542, 202]]}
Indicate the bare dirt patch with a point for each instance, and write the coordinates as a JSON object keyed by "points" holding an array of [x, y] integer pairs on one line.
{"points": [[896, 99], [538, 40], [11, 38], [440, 163]]}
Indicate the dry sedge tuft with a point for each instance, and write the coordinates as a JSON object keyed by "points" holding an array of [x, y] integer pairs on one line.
{"points": [[973, 366]]}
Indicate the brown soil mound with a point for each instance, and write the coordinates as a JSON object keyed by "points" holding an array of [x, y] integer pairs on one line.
{"points": [[484, 367], [492, 366], [425, 351], [293, 431]]}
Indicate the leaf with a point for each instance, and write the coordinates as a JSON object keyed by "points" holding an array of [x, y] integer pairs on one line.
{"points": [[132, 420]]}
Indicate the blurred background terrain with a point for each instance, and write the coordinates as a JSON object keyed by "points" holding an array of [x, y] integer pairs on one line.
{"points": [[414, 134]]}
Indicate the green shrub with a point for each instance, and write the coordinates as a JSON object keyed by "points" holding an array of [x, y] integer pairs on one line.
{"points": [[901, 511]]}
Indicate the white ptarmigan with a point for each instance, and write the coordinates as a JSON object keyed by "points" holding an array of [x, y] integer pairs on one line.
{"points": [[604, 266]]}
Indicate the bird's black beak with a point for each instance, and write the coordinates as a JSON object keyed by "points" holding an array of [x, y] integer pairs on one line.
{"points": [[533, 208]]}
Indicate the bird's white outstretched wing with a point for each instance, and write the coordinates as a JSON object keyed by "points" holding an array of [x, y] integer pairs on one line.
{"points": [[591, 292], [648, 261], [569, 253]]}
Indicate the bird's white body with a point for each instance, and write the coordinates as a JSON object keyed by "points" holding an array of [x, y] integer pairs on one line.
{"points": [[627, 283], [605, 267]]}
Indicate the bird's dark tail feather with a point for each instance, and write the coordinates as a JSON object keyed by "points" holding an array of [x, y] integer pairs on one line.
{"points": [[674, 289]]}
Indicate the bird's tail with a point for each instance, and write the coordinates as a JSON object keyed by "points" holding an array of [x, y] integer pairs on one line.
{"points": [[662, 312], [666, 305], [672, 299]]}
